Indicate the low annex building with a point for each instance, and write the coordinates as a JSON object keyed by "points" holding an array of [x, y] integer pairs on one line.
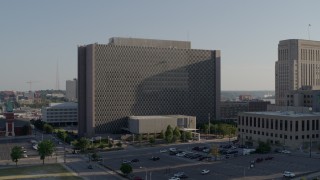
{"points": [[61, 114], [155, 124], [287, 128]]}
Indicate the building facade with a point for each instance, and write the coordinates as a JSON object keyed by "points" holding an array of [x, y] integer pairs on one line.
{"points": [[141, 77], [156, 124], [298, 65], [72, 90], [229, 109], [286, 128], [61, 114], [304, 98]]}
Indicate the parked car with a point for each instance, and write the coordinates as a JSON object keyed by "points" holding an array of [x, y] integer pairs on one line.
{"points": [[205, 171], [135, 160], [90, 166], [155, 158], [174, 178], [181, 154], [178, 174], [126, 162], [163, 150], [173, 149], [268, 158], [25, 155], [288, 174], [285, 152]]}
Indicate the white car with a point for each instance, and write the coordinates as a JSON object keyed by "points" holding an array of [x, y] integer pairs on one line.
{"points": [[205, 171], [173, 149], [163, 150], [178, 174], [288, 174], [174, 178], [35, 146], [25, 155], [285, 152], [181, 154]]}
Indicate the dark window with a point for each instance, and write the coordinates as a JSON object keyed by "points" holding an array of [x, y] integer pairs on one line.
{"points": [[297, 137], [285, 137], [308, 125], [267, 134], [286, 125], [276, 125], [317, 124], [258, 122], [302, 125], [290, 125], [302, 137], [242, 120], [246, 130], [250, 121], [312, 135], [313, 127], [262, 122], [259, 132], [308, 136], [297, 126], [254, 132], [262, 133], [254, 122], [250, 131], [270, 123], [290, 137], [271, 134], [317, 135], [280, 135], [275, 135], [246, 121], [242, 130], [281, 125]]}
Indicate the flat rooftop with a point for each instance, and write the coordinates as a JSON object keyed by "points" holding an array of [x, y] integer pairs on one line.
{"points": [[284, 113]]}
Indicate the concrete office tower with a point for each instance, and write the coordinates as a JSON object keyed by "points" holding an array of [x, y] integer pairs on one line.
{"points": [[72, 90], [298, 65], [138, 77]]}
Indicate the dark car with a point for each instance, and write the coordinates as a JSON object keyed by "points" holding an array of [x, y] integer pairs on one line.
{"points": [[268, 158], [155, 158], [259, 160], [183, 176], [172, 153], [135, 160], [90, 166], [195, 148]]}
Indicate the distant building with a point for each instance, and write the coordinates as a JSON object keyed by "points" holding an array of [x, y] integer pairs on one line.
{"points": [[61, 114], [230, 109], [245, 97], [286, 128], [304, 98], [156, 124], [140, 77], [298, 65], [72, 90]]}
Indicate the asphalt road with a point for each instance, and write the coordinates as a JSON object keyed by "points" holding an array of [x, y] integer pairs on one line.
{"points": [[234, 168]]}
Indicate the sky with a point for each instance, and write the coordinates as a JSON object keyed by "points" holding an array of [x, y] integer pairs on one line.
{"points": [[37, 36]]}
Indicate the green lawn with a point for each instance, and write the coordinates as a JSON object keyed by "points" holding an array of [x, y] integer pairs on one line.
{"points": [[47, 171]]}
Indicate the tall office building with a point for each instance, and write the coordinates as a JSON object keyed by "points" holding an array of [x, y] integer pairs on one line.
{"points": [[298, 66], [72, 90], [137, 77]]}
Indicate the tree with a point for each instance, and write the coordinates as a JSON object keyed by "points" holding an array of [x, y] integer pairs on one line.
{"points": [[125, 168], [45, 148], [169, 134], [176, 133], [16, 154], [48, 128], [215, 151], [263, 147], [151, 140], [62, 135], [162, 135], [82, 144]]}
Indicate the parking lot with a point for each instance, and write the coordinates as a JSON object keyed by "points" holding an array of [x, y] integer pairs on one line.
{"points": [[231, 168]]}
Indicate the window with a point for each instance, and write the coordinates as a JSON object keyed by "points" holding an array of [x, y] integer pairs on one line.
{"points": [[254, 122], [258, 122], [317, 124], [290, 137], [285, 125], [242, 120], [275, 135], [302, 125], [280, 135], [267, 123], [297, 126], [308, 136], [250, 131], [262, 122], [313, 127], [308, 125], [267, 134], [246, 121], [271, 134], [302, 137], [297, 137], [254, 132], [276, 125], [290, 125], [250, 121], [281, 125]]}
